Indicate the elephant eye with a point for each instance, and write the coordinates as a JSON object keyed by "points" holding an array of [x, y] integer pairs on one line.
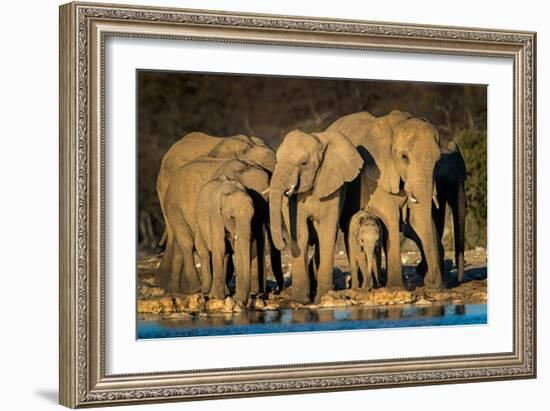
{"points": [[404, 157]]}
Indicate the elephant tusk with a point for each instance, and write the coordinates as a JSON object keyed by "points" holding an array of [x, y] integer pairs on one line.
{"points": [[265, 191], [290, 191], [412, 198], [434, 198]]}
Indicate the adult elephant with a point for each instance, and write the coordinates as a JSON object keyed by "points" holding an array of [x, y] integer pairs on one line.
{"points": [[450, 179], [311, 171], [177, 271], [197, 144], [401, 152]]}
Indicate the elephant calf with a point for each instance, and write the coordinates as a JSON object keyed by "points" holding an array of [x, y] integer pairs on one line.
{"points": [[365, 248], [224, 212]]}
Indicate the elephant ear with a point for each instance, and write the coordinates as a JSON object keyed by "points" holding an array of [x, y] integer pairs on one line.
{"points": [[231, 147], [341, 163], [212, 197]]}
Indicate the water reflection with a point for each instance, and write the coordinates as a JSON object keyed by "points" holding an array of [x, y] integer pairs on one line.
{"points": [[303, 319]]}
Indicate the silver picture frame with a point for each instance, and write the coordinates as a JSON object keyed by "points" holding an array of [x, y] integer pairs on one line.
{"points": [[84, 28]]}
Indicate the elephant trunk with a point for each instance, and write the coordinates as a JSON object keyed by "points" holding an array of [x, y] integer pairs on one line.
{"points": [[422, 222], [283, 182], [242, 252]]}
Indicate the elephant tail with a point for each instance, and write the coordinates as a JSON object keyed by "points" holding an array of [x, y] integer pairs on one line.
{"points": [[162, 240]]}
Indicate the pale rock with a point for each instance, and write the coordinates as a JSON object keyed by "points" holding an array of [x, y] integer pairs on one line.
{"points": [[149, 307], [156, 291], [238, 307], [215, 304], [194, 302], [229, 304], [271, 305], [167, 304]]}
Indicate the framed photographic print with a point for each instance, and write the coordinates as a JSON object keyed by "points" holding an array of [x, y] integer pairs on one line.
{"points": [[259, 204]]}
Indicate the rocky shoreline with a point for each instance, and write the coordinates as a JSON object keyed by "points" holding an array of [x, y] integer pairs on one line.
{"points": [[154, 302], [472, 292]]}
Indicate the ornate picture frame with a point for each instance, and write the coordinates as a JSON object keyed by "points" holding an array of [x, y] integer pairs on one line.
{"points": [[84, 29]]}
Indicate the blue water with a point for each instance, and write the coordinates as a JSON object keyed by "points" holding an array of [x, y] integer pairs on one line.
{"points": [[304, 320]]}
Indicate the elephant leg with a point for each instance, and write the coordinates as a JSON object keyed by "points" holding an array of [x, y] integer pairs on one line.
{"points": [[313, 267], [229, 270], [189, 280], [376, 266], [300, 277], [422, 266], [366, 270], [459, 222], [354, 268], [439, 213], [327, 240], [165, 277], [276, 265], [439, 221], [256, 277], [219, 287], [433, 277], [394, 273], [206, 269]]}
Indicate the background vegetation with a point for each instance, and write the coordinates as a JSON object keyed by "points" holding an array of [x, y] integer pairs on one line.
{"points": [[171, 104]]}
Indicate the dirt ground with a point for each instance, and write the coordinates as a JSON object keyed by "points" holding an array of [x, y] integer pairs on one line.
{"points": [[153, 300]]}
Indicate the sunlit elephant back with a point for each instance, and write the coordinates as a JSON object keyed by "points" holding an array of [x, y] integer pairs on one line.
{"points": [[402, 151], [197, 144]]}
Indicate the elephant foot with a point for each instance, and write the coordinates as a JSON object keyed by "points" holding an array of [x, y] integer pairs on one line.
{"points": [[434, 285], [239, 307], [322, 290], [299, 298], [170, 286], [190, 288]]}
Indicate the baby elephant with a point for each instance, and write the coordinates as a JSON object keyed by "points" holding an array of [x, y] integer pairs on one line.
{"points": [[224, 213], [365, 242]]}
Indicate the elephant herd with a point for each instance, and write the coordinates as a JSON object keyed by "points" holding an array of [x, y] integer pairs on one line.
{"points": [[231, 201]]}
